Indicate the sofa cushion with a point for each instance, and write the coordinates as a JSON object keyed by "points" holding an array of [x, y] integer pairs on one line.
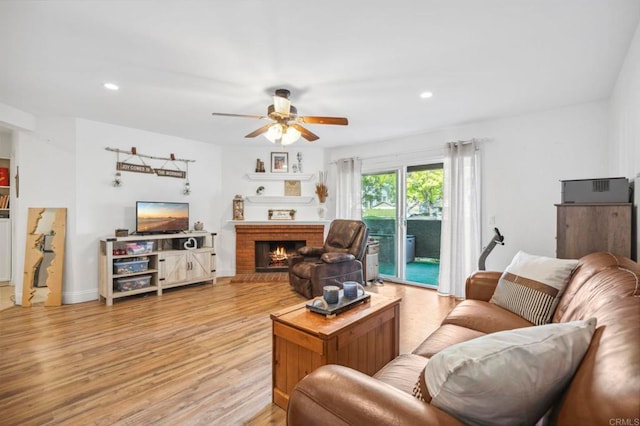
{"points": [[484, 316], [445, 336], [531, 286], [401, 372], [510, 377]]}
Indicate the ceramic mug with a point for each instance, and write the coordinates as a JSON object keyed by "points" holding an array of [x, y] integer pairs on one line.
{"points": [[331, 294], [351, 289]]}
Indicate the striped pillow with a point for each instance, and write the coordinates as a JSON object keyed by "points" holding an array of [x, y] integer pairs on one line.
{"points": [[531, 286]]}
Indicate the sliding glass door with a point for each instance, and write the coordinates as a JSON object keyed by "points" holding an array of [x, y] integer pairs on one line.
{"points": [[380, 213], [402, 209], [423, 222]]}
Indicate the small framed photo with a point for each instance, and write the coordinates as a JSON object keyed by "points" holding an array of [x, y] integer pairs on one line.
{"points": [[279, 162]]}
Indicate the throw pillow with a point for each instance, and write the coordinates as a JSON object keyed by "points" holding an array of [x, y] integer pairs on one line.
{"points": [[420, 390], [509, 377], [531, 286]]}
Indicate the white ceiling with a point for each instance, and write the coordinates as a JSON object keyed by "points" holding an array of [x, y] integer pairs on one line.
{"points": [[178, 61]]}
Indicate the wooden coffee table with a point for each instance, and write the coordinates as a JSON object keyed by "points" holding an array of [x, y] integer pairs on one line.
{"points": [[364, 338]]}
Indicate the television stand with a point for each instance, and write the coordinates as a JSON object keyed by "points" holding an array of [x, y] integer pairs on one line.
{"points": [[149, 263]]}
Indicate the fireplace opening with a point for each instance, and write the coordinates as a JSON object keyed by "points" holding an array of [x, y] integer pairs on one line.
{"points": [[273, 256]]}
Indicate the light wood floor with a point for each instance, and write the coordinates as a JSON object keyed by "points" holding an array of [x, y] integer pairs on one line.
{"points": [[198, 355]]}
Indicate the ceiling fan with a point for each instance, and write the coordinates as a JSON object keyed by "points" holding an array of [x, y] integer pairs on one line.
{"points": [[284, 127]]}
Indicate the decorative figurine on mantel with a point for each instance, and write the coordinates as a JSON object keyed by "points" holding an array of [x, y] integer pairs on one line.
{"points": [[238, 208], [259, 166], [299, 162]]}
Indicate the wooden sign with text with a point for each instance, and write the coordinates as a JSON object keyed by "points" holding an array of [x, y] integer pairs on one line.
{"points": [[136, 168], [171, 173]]}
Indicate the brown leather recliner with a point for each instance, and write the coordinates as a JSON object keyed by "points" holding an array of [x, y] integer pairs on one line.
{"points": [[339, 260]]}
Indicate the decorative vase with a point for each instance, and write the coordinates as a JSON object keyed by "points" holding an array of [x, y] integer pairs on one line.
{"points": [[322, 210]]}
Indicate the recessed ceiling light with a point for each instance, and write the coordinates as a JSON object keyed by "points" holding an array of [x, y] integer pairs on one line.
{"points": [[111, 86], [426, 95]]}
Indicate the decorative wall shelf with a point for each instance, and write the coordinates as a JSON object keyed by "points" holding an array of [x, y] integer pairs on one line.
{"points": [[279, 199], [280, 176]]}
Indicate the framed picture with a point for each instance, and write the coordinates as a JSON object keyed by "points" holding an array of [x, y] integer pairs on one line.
{"points": [[292, 187], [282, 214], [279, 162]]}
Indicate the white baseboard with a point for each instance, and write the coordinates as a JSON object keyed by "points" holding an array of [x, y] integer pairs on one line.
{"points": [[68, 298]]}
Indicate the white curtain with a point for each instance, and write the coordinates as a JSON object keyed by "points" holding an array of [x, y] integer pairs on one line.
{"points": [[460, 241], [349, 189]]}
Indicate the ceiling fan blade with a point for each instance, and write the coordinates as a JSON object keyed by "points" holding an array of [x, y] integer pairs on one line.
{"points": [[342, 121], [259, 117], [259, 131], [305, 133]]}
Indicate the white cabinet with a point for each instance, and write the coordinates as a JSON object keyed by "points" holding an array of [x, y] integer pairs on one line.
{"points": [[145, 263], [183, 267]]}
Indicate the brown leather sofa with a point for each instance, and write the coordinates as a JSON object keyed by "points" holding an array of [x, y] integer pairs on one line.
{"points": [[605, 390], [337, 261]]}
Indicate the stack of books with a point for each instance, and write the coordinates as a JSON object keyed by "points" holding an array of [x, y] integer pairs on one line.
{"points": [[4, 201]]}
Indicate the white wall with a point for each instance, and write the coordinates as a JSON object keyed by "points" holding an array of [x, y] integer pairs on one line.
{"points": [[240, 160], [5, 143], [625, 115], [101, 207], [64, 164], [46, 158], [625, 124], [15, 119], [524, 158]]}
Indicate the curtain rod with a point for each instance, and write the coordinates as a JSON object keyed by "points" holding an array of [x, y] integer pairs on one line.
{"points": [[430, 150], [390, 155], [468, 141]]}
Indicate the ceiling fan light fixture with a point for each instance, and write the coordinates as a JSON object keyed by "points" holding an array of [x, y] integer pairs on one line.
{"points": [[284, 135], [290, 136], [285, 127], [274, 133]]}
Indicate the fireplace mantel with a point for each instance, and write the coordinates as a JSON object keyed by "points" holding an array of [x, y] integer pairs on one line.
{"points": [[248, 232], [280, 222]]}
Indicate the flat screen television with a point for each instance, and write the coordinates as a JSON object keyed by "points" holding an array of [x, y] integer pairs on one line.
{"points": [[153, 217]]}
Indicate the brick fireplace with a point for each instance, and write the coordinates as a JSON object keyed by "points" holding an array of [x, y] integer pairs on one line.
{"points": [[247, 235]]}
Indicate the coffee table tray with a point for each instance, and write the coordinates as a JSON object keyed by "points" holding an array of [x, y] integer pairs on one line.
{"points": [[343, 304]]}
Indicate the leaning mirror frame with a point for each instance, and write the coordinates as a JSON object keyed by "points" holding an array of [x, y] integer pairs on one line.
{"points": [[44, 254]]}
